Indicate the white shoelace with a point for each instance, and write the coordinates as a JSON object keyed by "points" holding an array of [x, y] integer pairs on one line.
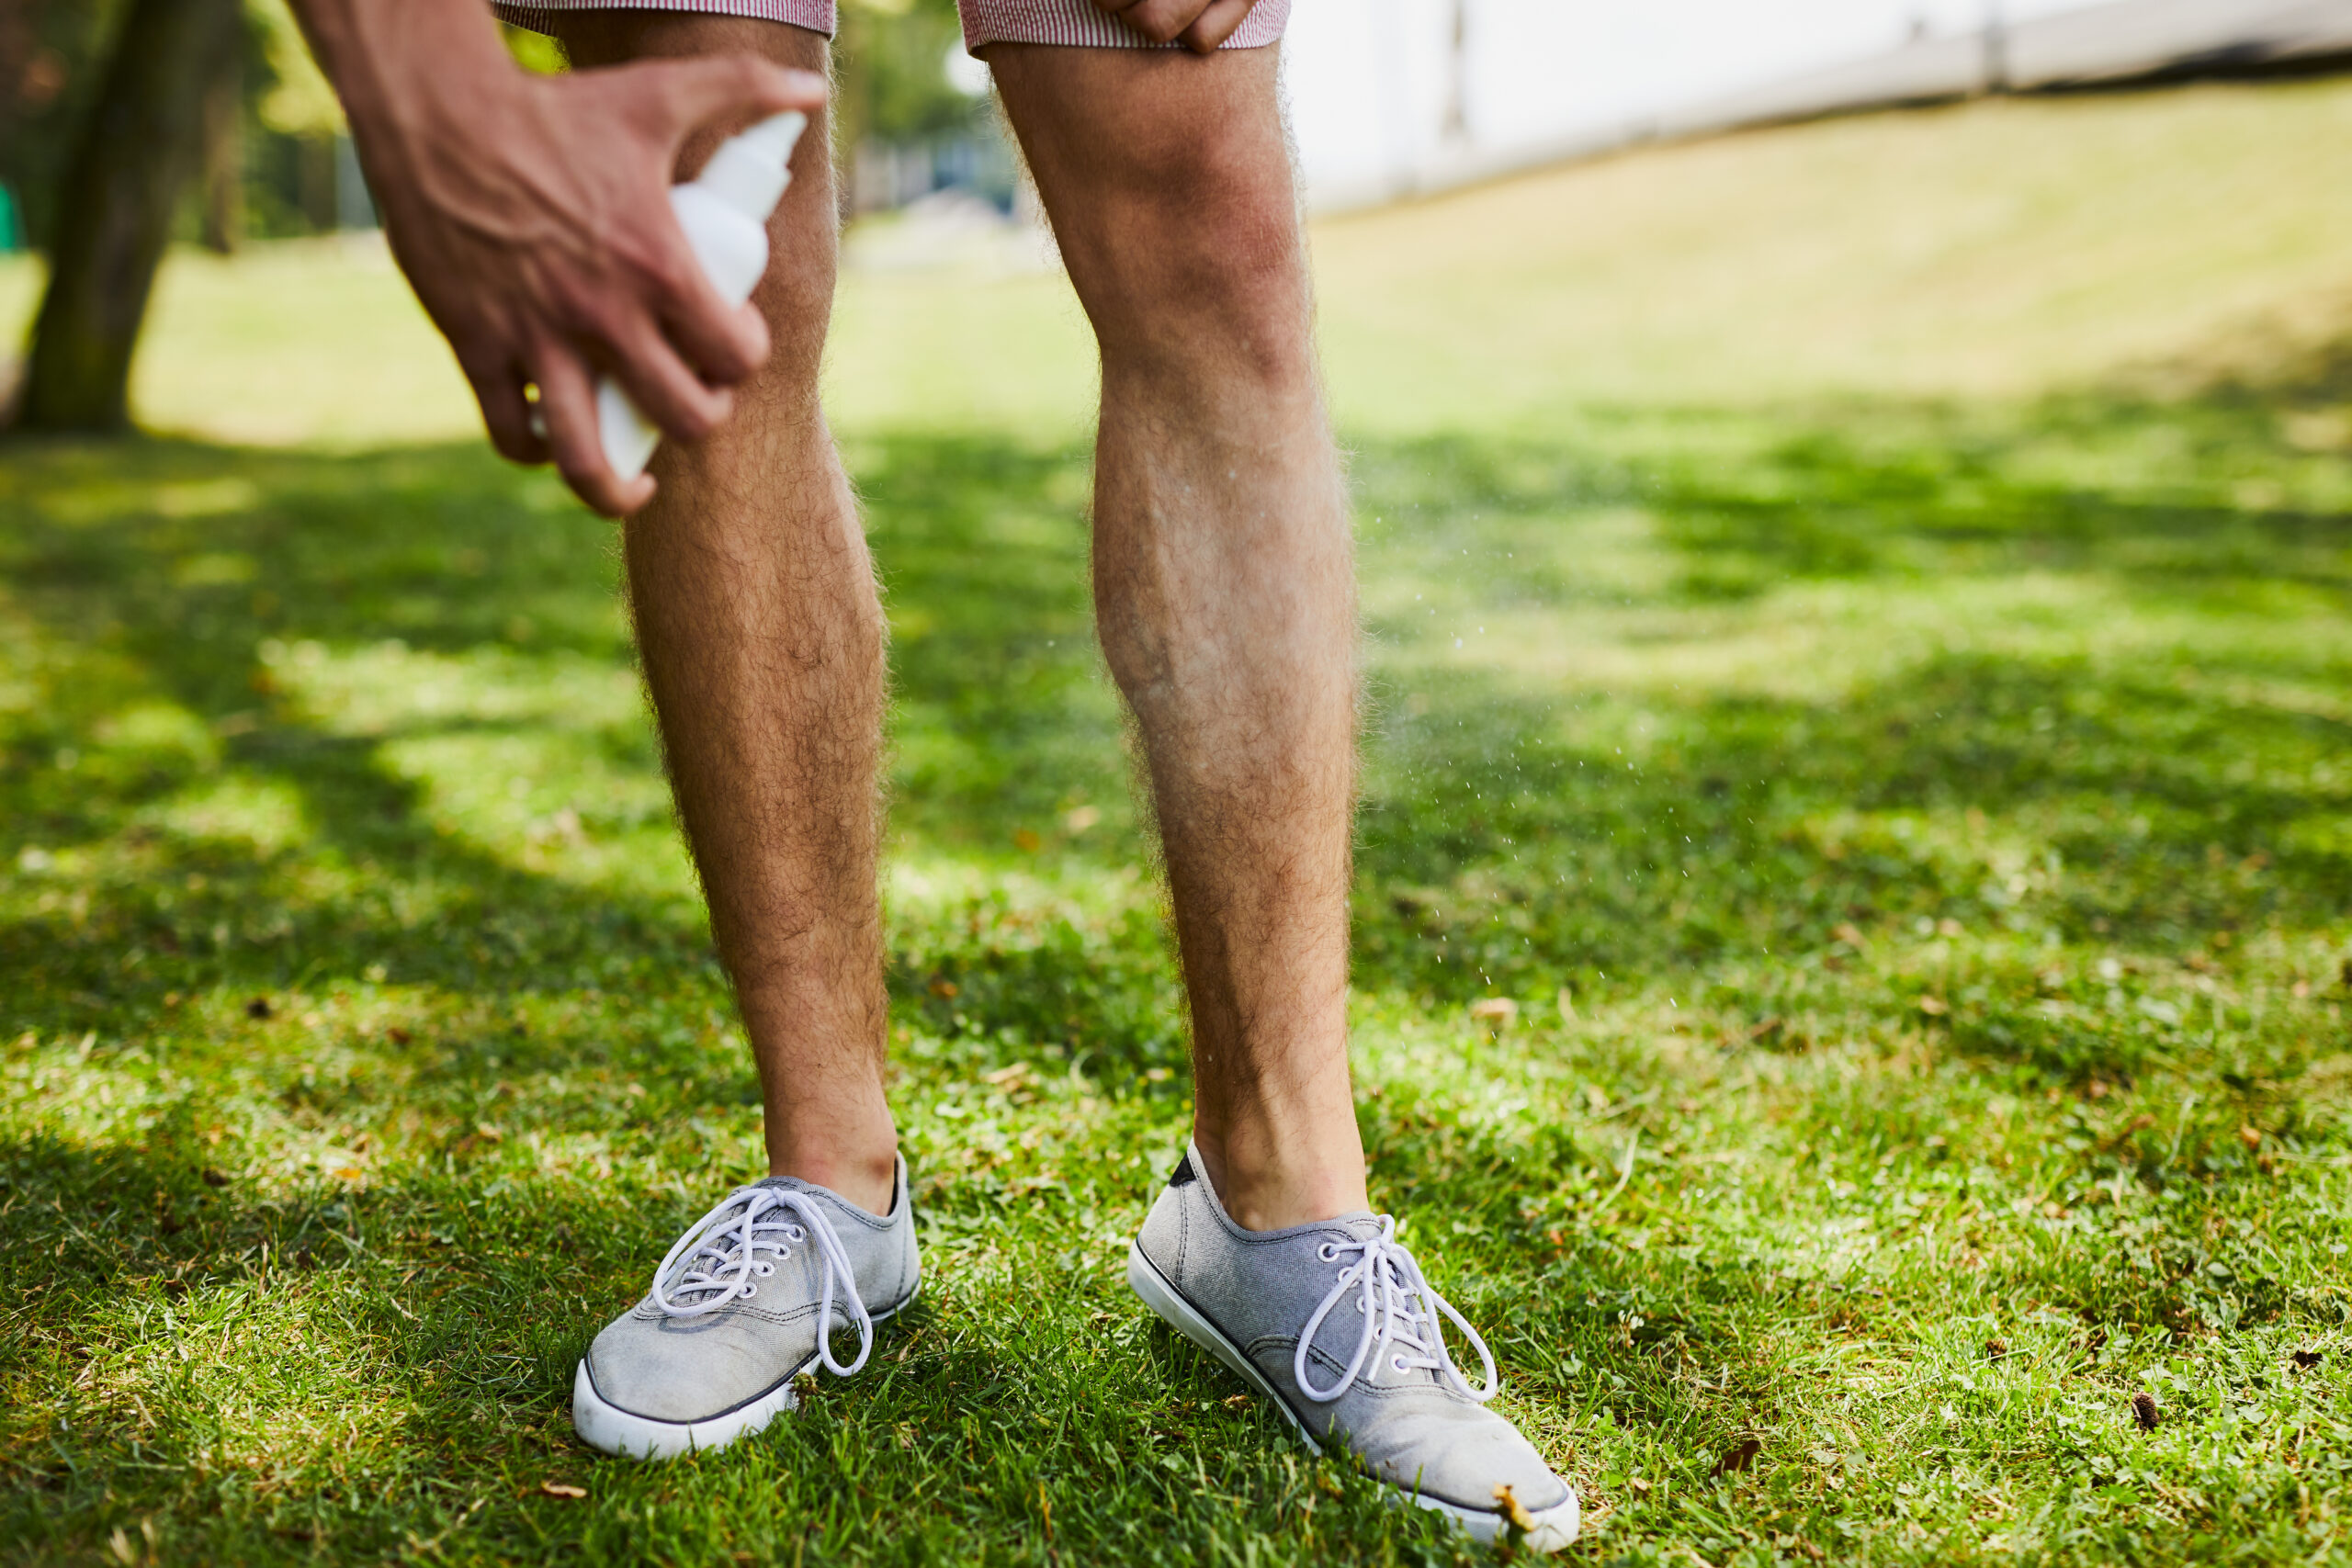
{"points": [[1400, 1315], [724, 1255]]}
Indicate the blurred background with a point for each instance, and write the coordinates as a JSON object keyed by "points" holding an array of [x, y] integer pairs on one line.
{"points": [[1390, 104]]}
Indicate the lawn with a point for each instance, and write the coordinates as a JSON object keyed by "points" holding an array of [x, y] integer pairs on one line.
{"points": [[1904, 793]]}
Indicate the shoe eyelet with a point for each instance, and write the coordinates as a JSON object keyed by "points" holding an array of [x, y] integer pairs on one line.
{"points": [[1398, 1362], [1326, 1252]]}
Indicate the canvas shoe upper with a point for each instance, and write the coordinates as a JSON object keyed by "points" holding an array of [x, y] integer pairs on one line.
{"points": [[747, 1300], [1334, 1323]]}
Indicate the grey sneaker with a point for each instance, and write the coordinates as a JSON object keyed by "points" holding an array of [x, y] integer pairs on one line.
{"points": [[745, 1302], [1334, 1324]]}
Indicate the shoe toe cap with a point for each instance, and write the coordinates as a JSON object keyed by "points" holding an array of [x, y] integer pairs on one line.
{"points": [[1460, 1453], [688, 1369]]}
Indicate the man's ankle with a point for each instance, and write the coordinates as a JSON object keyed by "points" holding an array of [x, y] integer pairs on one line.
{"points": [[1269, 1183], [870, 1181]]}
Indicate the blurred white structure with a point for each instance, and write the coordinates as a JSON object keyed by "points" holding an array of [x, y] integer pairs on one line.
{"points": [[1388, 97]]}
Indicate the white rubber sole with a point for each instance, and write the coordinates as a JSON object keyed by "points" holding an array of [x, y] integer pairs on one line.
{"points": [[1548, 1531], [608, 1429]]}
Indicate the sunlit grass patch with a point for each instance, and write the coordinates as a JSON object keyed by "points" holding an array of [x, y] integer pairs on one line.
{"points": [[260, 816]]}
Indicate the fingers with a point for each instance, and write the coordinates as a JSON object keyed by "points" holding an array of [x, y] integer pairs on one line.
{"points": [[723, 344], [653, 279], [1213, 25], [730, 90], [1161, 22], [568, 403], [661, 386], [1200, 26], [497, 387]]}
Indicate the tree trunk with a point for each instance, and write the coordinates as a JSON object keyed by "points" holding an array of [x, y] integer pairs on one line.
{"points": [[122, 191], [224, 162]]}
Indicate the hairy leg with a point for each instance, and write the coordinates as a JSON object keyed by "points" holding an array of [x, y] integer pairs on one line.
{"points": [[1224, 581], [763, 643]]}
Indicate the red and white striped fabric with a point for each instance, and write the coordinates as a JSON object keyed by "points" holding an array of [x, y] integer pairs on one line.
{"points": [[539, 16], [1076, 22], [1084, 23]]}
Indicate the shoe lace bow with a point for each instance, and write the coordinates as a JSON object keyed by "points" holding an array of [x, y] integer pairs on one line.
{"points": [[724, 1255], [1400, 1317]]}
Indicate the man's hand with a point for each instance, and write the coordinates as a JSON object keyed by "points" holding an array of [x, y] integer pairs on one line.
{"points": [[532, 217], [1199, 25]]}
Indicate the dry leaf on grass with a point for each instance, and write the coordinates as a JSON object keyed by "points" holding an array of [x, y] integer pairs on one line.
{"points": [[1738, 1458], [1507, 1504], [1495, 1012]]}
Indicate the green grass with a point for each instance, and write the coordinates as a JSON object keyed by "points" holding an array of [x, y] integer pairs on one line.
{"points": [[1916, 835]]}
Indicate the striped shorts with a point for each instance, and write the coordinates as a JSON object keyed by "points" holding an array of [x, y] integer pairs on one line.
{"points": [[984, 21]]}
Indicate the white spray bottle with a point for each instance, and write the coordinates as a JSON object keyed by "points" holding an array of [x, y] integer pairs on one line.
{"points": [[724, 210]]}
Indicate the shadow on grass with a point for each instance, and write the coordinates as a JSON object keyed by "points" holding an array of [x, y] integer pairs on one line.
{"points": [[1506, 842]]}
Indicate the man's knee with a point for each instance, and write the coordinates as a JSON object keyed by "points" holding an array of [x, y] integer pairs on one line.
{"points": [[1169, 182], [1196, 251], [1223, 284]]}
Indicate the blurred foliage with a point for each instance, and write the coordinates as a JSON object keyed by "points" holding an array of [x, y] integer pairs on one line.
{"points": [[288, 113], [892, 72], [294, 97], [51, 54]]}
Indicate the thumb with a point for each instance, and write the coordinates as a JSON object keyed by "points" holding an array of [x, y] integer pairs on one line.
{"points": [[1215, 24], [729, 92]]}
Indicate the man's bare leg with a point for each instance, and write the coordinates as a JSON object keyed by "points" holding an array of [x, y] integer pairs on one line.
{"points": [[762, 640], [1224, 582], [1227, 605]]}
